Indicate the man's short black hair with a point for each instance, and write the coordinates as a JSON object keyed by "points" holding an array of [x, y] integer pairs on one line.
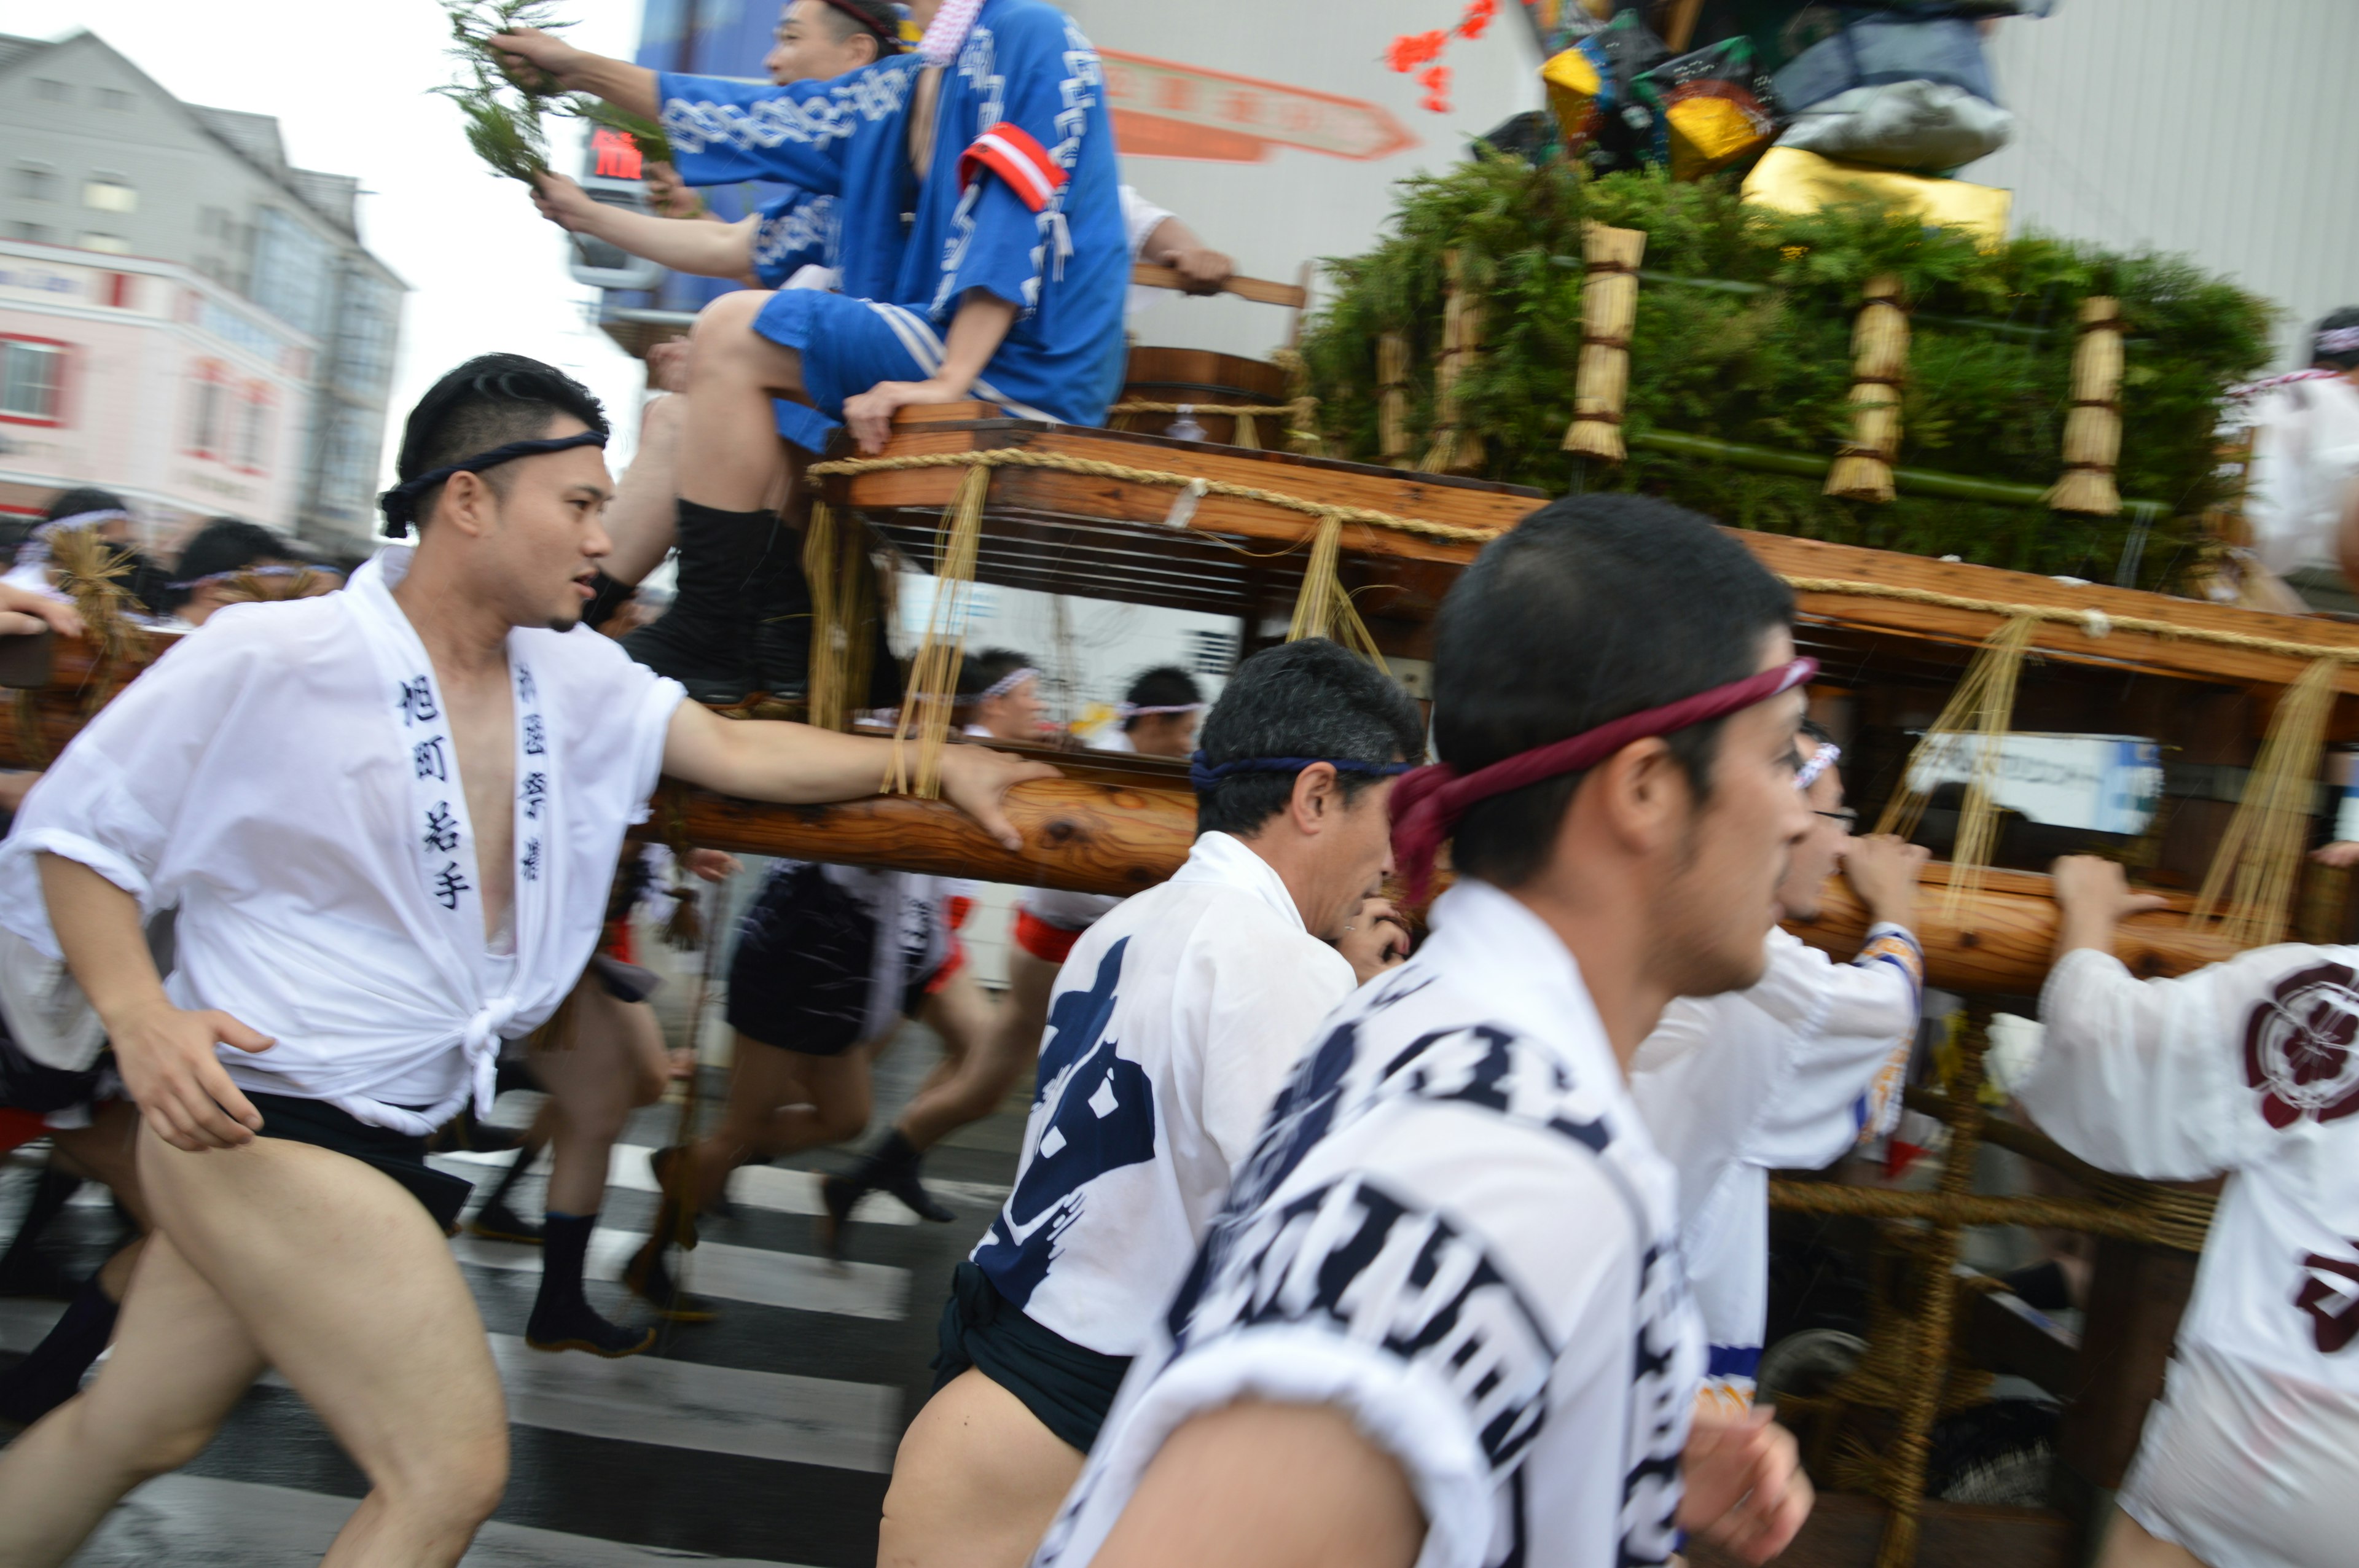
{"points": [[1310, 698], [2343, 319], [81, 498], [978, 673], [490, 400], [1165, 685], [1596, 607], [229, 545], [877, 18]]}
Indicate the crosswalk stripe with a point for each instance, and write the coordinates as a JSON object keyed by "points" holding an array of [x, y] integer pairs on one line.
{"points": [[754, 1274], [675, 1404], [752, 1187], [195, 1521]]}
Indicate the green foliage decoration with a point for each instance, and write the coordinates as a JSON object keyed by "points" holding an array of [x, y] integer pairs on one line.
{"points": [[502, 104], [1743, 337]]}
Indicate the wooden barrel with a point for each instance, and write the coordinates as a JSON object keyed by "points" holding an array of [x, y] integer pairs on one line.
{"points": [[1204, 380]]}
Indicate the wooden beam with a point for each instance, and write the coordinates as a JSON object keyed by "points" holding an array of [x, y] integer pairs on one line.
{"points": [[1260, 290]]}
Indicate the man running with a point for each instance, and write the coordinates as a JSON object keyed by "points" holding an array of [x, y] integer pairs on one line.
{"points": [[386, 817], [2246, 1068], [1174, 1020], [1785, 1075], [1442, 1317]]}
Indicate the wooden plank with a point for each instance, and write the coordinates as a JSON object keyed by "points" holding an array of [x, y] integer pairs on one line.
{"points": [[1260, 290], [2181, 657]]}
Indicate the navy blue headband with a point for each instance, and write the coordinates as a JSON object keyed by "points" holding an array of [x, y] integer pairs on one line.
{"points": [[1205, 777], [399, 504]]}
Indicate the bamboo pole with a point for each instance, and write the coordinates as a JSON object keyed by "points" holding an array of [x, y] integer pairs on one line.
{"points": [[1392, 399], [2092, 431], [1609, 310], [1456, 449], [1879, 346]]}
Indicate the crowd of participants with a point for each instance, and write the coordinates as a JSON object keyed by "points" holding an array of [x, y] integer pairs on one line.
{"points": [[1319, 1250]]}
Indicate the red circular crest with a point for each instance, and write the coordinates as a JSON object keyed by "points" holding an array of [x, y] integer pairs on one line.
{"points": [[2299, 1047]]}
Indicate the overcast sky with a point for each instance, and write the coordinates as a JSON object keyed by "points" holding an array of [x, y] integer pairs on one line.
{"points": [[348, 83]]}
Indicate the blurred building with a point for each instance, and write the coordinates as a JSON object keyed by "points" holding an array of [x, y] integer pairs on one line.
{"points": [[184, 316]]}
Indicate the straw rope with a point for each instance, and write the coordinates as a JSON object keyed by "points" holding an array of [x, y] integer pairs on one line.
{"points": [[2097, 623], [2262, 849], [1979, 714]]}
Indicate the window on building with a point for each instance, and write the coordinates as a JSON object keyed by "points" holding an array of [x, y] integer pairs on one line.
{"points": [[348, 463], [54, 91], [107, 191], [291, 276], [1211, 652], [253, 428], [36, 182], [117, 98], [32, 379], [112, 245], [365, 324], [208, 409], [33, 234]]}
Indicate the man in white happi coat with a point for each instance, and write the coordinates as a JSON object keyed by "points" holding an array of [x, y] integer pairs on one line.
{"points": [[1442, 1318], [2247, 1068], [1787, 1074], [386, 817], [1172, 1022]]}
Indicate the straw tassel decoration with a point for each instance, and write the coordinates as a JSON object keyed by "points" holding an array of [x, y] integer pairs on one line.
{"points": [[1455, 449], [1303, 417], [933, 674], [1978, 713], [1879, 347], [2092, 431], [1392, 400], [2260, 855], [91, 573], [1247, 437], [1324, 607], [843, 606], [1609, 312]]}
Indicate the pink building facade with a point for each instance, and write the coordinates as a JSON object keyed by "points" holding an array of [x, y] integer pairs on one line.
{"points": [[150, 380]]}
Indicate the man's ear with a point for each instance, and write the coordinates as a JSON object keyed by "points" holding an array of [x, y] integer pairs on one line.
{"points": [[466, 503], [1642, 795], [1318, 794]]}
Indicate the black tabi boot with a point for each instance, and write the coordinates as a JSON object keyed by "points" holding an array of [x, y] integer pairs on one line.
{"points": [[890, 1167], [24, 1269], [52, 1373], [651, 1281], [703, 640], [562, 1317], [779, 600], [496, 1219]]}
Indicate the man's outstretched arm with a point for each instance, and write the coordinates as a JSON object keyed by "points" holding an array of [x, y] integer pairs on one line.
{"points": [[799, 766], [630, 88], [1269, 1485]]}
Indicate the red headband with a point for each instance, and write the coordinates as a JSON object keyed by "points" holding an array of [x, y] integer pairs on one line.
{"points": [[1427, 803]]}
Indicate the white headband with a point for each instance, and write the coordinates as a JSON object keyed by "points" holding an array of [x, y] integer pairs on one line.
{"points": [[1005, 684], [2340, 340], [1814, 767], [35, 550], [946, 34], [1129, 710]]}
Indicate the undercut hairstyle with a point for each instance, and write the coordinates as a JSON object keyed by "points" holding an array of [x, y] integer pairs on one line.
{"points": [[1595, 608], [228, 545], [1165, 685], [488, 402], [2341, 320], [1312, 699], [978, 673], [876, 20], [81, 498]]}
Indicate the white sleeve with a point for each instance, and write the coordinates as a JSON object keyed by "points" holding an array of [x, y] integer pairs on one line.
{"points": [[1265, 1003], [1840, 1075], [112, 799], [2142, 1077], [1140, 218]]}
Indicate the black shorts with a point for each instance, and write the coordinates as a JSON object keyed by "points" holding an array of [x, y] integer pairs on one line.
{"points": [[397, 1154], [805, 951], [27, 1084], [1068, 1386]]}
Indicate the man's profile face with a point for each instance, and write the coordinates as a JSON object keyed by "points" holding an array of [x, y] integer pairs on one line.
{"points": [[810, 46], [1014, 715], [1164, 734], [1802, 895], [1354, 856], [547, 538], [1721, 897]]}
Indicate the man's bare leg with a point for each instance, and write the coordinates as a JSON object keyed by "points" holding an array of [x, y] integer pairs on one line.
{"points": [[642, 519], [782, 1102], [2129, 1544], [977, 1481], [181, 1360], [344, 1284], [728, 448]]}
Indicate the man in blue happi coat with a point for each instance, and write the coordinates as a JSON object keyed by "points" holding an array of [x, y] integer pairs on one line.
{"points": [[982, 246]]}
